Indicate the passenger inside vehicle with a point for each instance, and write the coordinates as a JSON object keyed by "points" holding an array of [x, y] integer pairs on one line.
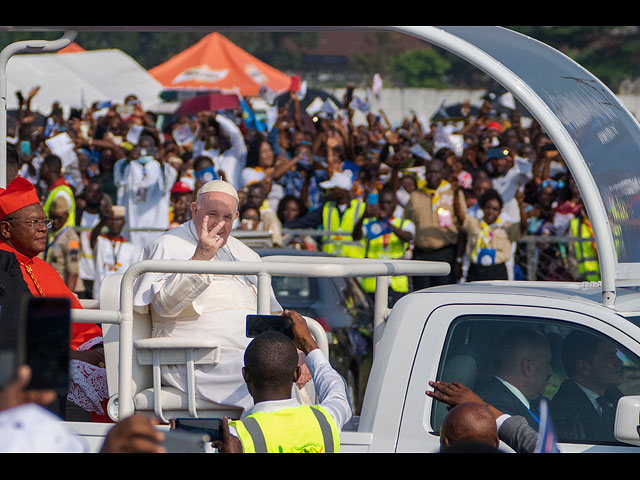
{"points": [[582, 370]]}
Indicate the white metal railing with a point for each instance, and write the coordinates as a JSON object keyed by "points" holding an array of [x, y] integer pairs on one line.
{"points": [[287, 265]]}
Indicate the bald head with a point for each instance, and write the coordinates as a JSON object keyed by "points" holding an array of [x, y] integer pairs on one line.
{"points": [[469, 422]]}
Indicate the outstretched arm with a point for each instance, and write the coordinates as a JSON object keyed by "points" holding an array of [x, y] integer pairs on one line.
{"points": [[514, 430], [329, 385]]}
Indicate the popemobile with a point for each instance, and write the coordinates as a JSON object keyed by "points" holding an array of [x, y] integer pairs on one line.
{"points": [[452, 332]]}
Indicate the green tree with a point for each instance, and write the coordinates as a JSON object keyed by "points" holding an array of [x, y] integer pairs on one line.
{"points": [[422, 68]]}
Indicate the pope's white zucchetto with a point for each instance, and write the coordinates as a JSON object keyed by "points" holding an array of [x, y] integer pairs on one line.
{"points": [[219, 186]]}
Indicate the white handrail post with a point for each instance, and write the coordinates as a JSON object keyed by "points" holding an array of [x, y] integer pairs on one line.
{"points": [[26, 46], [264, 293], [125, 397], [381, 304]]}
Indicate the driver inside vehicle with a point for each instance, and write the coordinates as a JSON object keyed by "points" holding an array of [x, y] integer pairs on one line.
{"points": [[584, 407]]}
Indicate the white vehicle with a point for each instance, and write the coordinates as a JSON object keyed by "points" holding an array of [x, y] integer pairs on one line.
{"points": [[447, 332]]}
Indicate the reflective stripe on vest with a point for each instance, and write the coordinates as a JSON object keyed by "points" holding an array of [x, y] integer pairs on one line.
{"points": [[342, 245], [259, 432], [587, 258], [374, 248]]}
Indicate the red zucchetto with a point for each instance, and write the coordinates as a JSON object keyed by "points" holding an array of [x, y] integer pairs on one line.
{"points": [[18, 194]]}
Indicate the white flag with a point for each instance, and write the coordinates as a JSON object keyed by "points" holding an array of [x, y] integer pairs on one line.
{"points": [[377, 83], [508, 101]]}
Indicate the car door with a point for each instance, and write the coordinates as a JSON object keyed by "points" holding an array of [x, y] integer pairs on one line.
{"points": [[459, 342]]}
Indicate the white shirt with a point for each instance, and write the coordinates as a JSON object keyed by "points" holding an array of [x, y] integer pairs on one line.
{"points": [[507, 185], [593, 398], [85, 264], [112, 256], [232, 160], [30, 428], [330, 389], [516, 392], [519, 395], [145, 191]]}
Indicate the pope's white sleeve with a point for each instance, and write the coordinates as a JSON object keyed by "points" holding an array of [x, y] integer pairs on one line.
{"points": [[178, 291]]}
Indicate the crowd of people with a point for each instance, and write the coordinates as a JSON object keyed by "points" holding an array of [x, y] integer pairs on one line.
{"points": [[463, 189], [99, 189]]}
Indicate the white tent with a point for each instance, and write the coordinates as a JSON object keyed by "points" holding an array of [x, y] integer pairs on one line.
{"points": [[79, 78]]}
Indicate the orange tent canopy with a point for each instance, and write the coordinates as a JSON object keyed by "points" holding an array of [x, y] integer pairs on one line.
{"points": [[216, 63], [73, 47]]}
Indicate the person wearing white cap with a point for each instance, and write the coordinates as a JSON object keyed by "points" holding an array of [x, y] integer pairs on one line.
{"points": [[339, 213], [189, 305]]}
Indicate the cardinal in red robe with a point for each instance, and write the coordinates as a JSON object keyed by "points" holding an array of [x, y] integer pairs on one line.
{"points": [[24, 228]]}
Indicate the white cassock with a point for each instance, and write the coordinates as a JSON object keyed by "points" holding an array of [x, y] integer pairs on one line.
{"points": [[112, 256], [198, 305]]}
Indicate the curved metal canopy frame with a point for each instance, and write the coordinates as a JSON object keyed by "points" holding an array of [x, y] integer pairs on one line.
{"points": [[596, 135]]}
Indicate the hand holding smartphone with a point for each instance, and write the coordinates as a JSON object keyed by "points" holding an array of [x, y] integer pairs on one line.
{"points": [[290, 323], [257, 324], [209, 426]]}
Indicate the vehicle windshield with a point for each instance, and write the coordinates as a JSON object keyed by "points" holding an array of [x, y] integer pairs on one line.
{"points": [[604, 132]]}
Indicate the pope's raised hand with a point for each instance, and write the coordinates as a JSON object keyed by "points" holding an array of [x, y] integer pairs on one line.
{"points": [[209, 241]]}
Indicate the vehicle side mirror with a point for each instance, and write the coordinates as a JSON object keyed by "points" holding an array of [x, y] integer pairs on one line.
{"points": [[627, 428]]}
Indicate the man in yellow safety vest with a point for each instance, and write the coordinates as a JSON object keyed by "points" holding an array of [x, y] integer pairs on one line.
{"points": [[340, 214], [278, 423], [585, 251], [387, 236]]}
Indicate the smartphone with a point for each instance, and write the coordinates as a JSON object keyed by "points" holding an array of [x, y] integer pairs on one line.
{"points": [[495, 152], [124, 109], [12, 342], [182, 441], [47, 339], [372, 199], [25, 147], [208, 426], [148, 152], [257, 324]]}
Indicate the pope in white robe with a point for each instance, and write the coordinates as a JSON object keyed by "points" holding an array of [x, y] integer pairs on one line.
{"points": [[197, 305]]}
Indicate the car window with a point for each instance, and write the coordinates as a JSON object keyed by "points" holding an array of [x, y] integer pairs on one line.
{"points": [[293, 288], [513, 362]]}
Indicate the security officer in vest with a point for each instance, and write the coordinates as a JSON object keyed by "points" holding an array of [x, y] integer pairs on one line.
{"points": [[340, 214], [278, 423], [585, 252], [51, 175], [385, 235]]}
